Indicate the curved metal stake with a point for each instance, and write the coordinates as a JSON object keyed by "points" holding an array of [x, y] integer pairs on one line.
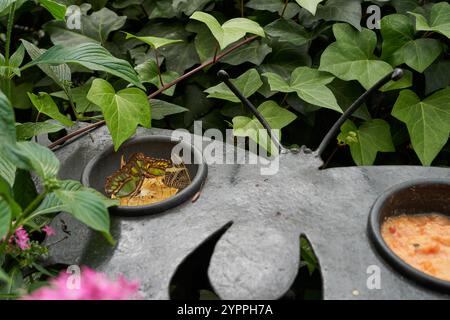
{"points": [[396, 75], [223, 75]]}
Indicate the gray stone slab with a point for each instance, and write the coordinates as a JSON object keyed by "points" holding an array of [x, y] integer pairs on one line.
{"points": [[258, 256]]}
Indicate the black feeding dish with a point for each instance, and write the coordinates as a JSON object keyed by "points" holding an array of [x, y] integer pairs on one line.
{"points": [[410, 198], [107, 162]]}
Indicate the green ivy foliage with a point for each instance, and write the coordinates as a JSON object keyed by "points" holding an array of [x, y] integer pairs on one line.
{"points": [[311, 58]]}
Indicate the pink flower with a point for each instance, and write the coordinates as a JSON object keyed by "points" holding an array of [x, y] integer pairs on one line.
{"points": [[48, 230], [91, 285], [22, 239]]}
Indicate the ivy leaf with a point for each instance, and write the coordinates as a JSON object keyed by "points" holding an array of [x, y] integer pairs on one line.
{"points": [[123, 111], [428, 122], [189, 6], [96, 28], [310, 5], [32, 156], [89, 55], [60, 74], [290, 11], [154, 42], [437, 76], [399, 45], [405, 82], [341, 10], [45, 104], [57, 10], [351, 57], [439, 19], [288, 31], [248, 83], [275, 116], [230, 31], [254, 52], [148, 72], [161, 109], [309, 84], [28, 130], [366, 141]]}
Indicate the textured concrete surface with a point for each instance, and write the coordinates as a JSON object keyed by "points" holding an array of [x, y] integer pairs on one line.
{"points": [[258, 256]]}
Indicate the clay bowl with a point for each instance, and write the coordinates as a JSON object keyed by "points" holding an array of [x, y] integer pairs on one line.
{"points": [[108, 161], [414, 197]]}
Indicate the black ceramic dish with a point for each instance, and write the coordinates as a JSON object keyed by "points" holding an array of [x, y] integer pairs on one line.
{"points": [[106, 163], [414, 197]]}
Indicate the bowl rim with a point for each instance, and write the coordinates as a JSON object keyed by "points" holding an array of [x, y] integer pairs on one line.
{"points": [[179, 198], [374, 231]]}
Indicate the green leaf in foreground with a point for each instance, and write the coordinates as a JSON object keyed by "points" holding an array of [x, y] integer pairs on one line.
{"points": [[230, 31], [45, 105], [276, 116], [7, 122], [161, 109], [439, 19], [28, 130], [60, 74], [123, 110], [34, 157], [5, 217], [248, 83], [89, 55], [428, 122], [399, 45], [310, 5], [309, 84], [366, 141], [351, 57], [7, 139], [57, 10], [288, 31], [154, 42], [86, 207], [148, 73]]}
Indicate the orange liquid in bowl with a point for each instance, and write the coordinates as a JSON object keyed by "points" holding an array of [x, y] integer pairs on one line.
{"points": [[422, 241]]}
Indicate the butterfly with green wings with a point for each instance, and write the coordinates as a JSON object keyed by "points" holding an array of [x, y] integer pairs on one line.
{"points": [[127, 181]]}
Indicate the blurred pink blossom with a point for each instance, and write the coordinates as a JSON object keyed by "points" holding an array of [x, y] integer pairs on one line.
{"points": [[93, 286], [21, 238], [49, 230]]}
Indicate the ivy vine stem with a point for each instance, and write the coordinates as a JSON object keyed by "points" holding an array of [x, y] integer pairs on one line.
{"points": [[159, 91]]}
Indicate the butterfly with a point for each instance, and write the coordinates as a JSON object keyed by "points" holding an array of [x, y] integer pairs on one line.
{"points": [[177, 177], [127, 181]]}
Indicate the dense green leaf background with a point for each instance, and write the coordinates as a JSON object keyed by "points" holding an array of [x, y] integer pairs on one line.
{"points": [[311, 58]]}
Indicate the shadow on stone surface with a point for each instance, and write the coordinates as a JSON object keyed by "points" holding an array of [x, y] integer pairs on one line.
{"points": [[190, 281], [308, 285]]}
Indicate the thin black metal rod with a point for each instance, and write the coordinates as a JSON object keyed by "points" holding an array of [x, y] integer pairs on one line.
{"points": [[223, 75], [396, 75]]}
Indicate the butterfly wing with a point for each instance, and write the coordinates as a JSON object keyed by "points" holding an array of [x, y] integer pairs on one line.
{"points": [[155, 167]]}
